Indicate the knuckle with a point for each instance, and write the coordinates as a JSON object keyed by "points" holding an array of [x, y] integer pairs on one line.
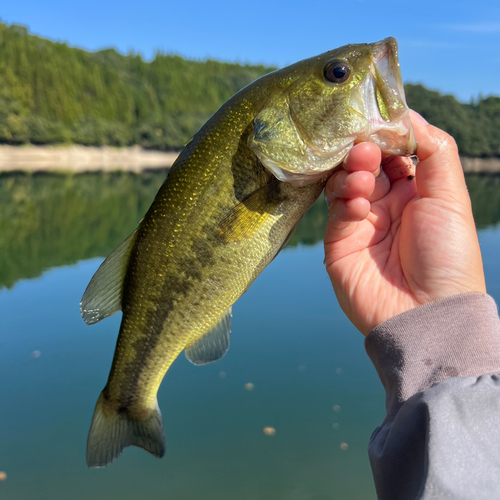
{"points": [[446, 141]]}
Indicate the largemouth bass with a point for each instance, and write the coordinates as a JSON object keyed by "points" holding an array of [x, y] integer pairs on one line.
{"points": [[229, 204]]}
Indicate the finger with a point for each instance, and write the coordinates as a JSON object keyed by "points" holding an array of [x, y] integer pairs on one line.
{"points": [[343, 184], [348, 215], [382, 187], [363, 156], [344, 217], [398, 167], [345, 238], [337, 230], [353, 210], [439, 172]]}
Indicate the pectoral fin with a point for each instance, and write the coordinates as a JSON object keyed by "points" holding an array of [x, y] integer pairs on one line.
{"points": [[246, 217], [213, 345], [103, 296]]}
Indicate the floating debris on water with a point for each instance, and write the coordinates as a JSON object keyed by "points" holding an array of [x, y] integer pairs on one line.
{"points": [[3, 475], [344, 446], [222, 374], [269, 431], [335, 426], [336, 408], [302, 368], [338, 371], [36, 354], [249, 386]]}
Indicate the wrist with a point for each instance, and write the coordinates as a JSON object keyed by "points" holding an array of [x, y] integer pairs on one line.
{"points": [[458, 336]]}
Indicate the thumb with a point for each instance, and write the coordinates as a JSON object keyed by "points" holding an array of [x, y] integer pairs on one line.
{"points": [[439, 173]]}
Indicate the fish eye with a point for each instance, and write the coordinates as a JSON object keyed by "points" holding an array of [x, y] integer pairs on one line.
{"points": [[337, 71]]}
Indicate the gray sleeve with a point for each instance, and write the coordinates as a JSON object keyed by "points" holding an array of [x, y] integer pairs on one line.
{"points": [[441, 436]]}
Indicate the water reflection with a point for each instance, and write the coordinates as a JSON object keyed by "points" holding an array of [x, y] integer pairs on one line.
{"points": [[51, 220], [484, 191]]}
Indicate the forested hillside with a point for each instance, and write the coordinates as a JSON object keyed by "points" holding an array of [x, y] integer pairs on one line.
{"points": [[475, 126], [51, 93]]}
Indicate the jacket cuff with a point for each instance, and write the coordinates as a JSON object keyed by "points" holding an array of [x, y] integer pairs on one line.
{"points": [[458, 336]]}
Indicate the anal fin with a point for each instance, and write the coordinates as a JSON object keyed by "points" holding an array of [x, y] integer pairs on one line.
{"points": [[213, 345]]}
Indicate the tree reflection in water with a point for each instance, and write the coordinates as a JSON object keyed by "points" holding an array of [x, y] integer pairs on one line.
{"points": [[49, 220]]}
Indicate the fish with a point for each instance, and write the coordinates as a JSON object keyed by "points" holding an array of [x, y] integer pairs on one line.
{"points": [[229, 204]]}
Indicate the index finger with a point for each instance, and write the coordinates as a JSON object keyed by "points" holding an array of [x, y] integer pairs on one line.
{"points": [[364, 156]]}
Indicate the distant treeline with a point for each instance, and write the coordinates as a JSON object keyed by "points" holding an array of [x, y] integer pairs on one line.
{"points": [[475, 126], [51, 93]]}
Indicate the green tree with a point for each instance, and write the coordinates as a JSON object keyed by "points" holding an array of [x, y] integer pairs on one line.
{"points": [[52, 93]]}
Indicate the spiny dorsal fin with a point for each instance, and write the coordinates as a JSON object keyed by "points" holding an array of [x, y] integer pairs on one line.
{"points": [[246, 217], [103, 296], [213, 345]]}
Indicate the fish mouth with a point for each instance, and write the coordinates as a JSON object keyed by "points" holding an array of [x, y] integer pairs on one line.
{"points": [[383, 102]]}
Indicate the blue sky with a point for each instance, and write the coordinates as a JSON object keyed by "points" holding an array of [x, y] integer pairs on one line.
{"points": [[451, 46]]}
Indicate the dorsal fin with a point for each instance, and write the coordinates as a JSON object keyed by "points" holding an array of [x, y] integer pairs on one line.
{"points": [[103, 296], [213, 345]]}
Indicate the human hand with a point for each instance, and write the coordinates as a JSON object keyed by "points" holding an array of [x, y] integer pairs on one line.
{"points": [[393, 243]]}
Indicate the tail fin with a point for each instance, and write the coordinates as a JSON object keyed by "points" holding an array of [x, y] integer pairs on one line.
{"points": [[110, 434]]}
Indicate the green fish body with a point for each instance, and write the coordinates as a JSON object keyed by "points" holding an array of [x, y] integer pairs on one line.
{"points": [[229, 204]]}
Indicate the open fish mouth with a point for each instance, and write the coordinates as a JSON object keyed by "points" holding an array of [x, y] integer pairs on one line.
{"points": [[350, 95], [381, 99]]}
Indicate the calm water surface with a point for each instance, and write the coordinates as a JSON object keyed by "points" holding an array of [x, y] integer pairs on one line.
{"points": [[312, 381]]}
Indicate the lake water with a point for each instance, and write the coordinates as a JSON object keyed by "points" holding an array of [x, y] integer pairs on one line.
{"points": [[312, 381]]}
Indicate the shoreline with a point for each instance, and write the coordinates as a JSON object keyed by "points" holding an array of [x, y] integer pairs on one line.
{"points": [[79, 159], [480, 165]]}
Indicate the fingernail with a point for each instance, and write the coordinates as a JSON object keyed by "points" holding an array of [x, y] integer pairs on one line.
{"points": [[418, 118], [329, 197], [345, 158]]}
